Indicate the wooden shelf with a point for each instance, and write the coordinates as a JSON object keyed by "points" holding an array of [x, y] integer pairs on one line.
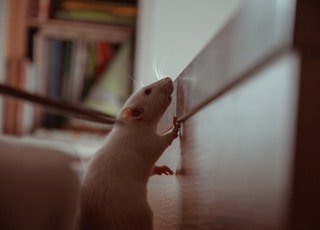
{"points": [[93, 31], [34, 43], [36, 22]]}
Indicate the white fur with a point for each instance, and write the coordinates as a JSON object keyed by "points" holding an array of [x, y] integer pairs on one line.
{"points": [[113, 194]]}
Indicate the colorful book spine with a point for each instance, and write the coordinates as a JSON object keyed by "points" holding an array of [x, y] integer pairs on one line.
{"points": [[54, 76], [68, 47]]}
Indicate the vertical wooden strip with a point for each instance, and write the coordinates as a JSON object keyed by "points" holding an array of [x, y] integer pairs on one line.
{"points": [[257, 32], [306, 190], [306, 187], [237, 154], [16, 50]]}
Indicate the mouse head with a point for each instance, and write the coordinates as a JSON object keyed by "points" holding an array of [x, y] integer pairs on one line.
{"points": [[149, 103]]}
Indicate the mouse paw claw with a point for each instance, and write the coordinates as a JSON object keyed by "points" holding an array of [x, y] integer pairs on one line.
{"points": [[176, 126], [159, 170], [174, 133]]}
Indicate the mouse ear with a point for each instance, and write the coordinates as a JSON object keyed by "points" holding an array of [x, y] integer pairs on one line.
{"points": [[132, 113]]}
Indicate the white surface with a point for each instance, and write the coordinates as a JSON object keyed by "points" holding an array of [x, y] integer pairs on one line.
{"points": [[172, 32], [81, 144], [164, 192]]}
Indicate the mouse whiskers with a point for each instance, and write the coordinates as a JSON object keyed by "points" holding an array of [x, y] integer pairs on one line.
{"points": [[159, 75], [135, 82]]}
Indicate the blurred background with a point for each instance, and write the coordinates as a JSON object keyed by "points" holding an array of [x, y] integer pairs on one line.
{"points": [[254, 166], [96, 53]]}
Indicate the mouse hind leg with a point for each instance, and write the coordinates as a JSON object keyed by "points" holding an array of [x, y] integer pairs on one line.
{"points": [[141, 219]]}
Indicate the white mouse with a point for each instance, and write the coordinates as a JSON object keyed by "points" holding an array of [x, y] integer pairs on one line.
{"points": [[113, 194]]}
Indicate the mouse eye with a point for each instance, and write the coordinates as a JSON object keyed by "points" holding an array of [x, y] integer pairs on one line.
{"points": [[147, 91]]}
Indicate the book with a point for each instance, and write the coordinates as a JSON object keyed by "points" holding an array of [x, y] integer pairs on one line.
{"points": [[55, 60], [41, 50], [99, 55], [110, 92], [68, 46], [77, 71], [25, 118], [76, 64], [91, 68], [104, 53], [26, 19], [55, 64]]}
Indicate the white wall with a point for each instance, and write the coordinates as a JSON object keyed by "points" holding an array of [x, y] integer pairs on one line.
{"points": [[171, 32], [3, 36]]}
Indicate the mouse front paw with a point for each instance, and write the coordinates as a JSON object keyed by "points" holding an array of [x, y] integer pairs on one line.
{"points": [[173, 133], [158, 170], [176, 126]]}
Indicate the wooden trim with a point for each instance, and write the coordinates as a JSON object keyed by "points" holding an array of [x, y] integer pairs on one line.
{"points": [[16, 50], [17, 28], [306, 184], [74, 30], [36, 22], [307, 29], [258, 33]]}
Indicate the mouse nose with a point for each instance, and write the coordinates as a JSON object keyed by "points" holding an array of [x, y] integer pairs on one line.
{"points": [[167, 85], [168, 79]]}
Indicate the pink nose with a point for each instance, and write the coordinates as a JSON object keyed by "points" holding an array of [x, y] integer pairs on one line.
{"points": [[168, 79]]}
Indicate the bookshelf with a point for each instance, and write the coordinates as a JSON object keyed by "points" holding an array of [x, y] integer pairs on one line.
{"points": [[78, 51], [3, 30]]}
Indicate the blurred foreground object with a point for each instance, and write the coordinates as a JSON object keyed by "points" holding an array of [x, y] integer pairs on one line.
{"points": [[39, 190]]}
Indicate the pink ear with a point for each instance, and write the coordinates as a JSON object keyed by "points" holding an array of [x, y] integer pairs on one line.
{"points": [[132, 113]]}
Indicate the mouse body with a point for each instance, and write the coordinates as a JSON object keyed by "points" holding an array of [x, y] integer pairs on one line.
{"points": [[113, 193]]}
